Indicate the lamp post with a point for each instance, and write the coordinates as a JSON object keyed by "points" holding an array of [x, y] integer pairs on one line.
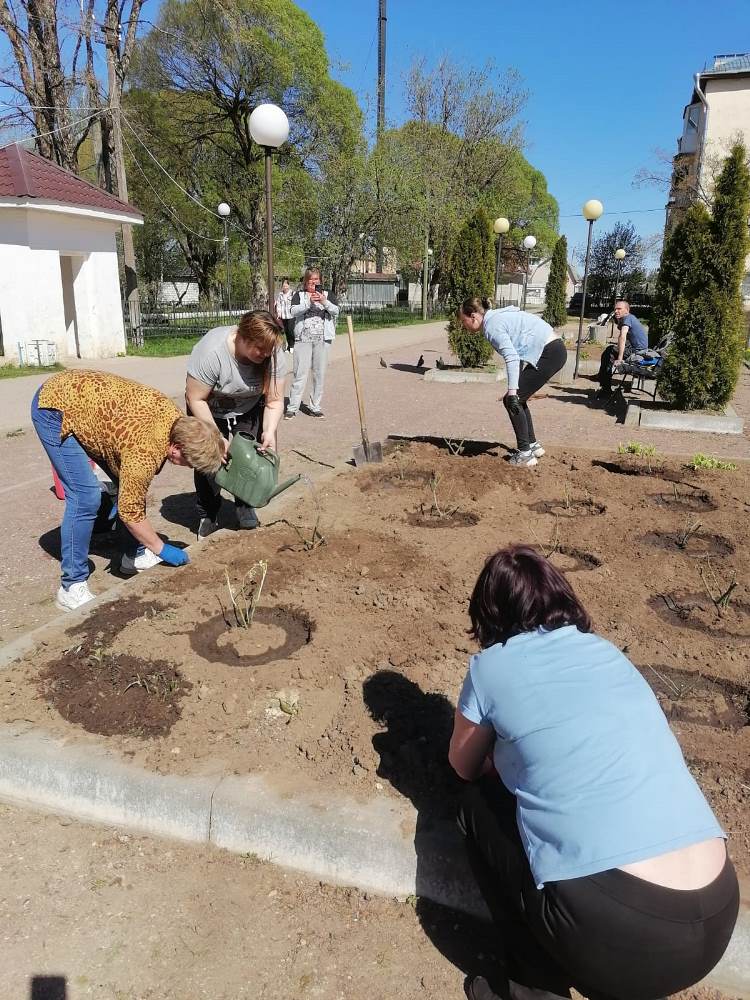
{"points": [[591, 212], [425, 276], [529, 242], [363, 238], [500, 226], [269, 127], [619, 257], [224, 211]]}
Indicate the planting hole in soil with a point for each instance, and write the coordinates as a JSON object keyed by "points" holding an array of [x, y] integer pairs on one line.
{"points": [[690, 540], [695, 610], [568, 507], [687, 500], [631, 468], [571, 560], [454, 446], [452, 519], [114, 694], [275, 634], [704, 701]]}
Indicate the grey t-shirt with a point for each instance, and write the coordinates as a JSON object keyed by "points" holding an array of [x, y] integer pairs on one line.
{"points": [[236, 387]]}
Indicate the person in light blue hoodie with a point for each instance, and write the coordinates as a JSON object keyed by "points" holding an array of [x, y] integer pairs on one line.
{"points": [[533, 353], [601, 862]]}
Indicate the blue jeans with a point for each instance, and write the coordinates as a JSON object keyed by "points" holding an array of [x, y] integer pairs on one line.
{"points": [[83, 493]]}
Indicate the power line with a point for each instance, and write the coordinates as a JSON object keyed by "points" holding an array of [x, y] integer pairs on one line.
{"points": [[201, 236], [62, 128], [166, 172], [629, 211]]}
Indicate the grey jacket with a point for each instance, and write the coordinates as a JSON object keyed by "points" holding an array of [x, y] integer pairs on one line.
{"points": [[300, 305]]}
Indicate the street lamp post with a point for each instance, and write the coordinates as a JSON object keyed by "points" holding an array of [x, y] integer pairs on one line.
{"points": [[224, 211], [425, 275], [500, 226], [591, 212], [619, 257], [529, 242], [269, 127]]}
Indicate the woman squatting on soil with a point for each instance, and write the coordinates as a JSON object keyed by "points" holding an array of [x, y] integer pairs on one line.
{"points": [[532, 352], [235, 382], [130, 431], [600, 860]]}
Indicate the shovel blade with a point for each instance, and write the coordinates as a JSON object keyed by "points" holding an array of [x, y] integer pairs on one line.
{"points": [[365, 454]]}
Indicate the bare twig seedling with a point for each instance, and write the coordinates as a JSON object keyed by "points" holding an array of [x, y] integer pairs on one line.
{"points": [[646, 452], [720, 595], [245, 598], [549, 550], [679, 690], [687, 532], [455, 447], [438, 507]]}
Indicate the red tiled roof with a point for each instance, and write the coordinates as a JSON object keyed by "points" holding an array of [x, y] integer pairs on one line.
{"points": [[26, 175]]}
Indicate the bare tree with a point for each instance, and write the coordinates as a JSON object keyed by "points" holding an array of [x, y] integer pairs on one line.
{"points": [[54, 46]]}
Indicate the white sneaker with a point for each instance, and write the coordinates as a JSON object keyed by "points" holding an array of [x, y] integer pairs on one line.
{"points": [[536, 449], [130, 565], [522, 459], [206, 527], [74, 597]]}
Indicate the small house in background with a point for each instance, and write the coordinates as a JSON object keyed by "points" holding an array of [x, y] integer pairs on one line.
{"points": [[178, 292], [372, 290], [510, 289], [59, 274]]}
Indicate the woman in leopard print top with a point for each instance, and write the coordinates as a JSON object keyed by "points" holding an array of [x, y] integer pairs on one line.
{"points": [[128, 429]]}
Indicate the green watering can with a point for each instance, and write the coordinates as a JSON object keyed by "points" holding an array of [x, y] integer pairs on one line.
{"points": [[250, 475]]}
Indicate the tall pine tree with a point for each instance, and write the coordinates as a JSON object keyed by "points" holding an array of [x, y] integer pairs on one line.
{"points": [[555, 312], [471, 273], [698, 294]]}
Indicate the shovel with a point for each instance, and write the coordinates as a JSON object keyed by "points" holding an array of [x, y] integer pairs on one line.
{"points": [[368, 451]]}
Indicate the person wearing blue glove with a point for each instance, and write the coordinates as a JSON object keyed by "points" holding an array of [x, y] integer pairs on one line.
{"points": [[130, 431]]}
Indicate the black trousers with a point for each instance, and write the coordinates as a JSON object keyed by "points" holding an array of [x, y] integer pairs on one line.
{"points": [[551, 360], [609, 355], [289, 330], [206, 487], [610, 935]]}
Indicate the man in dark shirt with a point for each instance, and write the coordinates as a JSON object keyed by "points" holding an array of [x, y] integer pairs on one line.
{"points": [[631, 338]]}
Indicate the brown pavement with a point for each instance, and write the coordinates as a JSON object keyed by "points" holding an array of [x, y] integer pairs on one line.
{"points": [[397, 399]]}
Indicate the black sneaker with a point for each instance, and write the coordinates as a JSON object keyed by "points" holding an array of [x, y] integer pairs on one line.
{"points": [[480, 989], [247, 519], [289, 414], [316, 413]]}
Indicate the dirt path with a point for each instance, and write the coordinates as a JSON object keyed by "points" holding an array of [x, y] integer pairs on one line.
{"points": [[120, 917]]}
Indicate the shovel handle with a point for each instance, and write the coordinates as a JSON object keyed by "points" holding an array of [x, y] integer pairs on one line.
{"points": [[357, 385]]}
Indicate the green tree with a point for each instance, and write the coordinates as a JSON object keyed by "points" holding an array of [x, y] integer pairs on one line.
{"points": [[698, 294], [472, 273], [218, 60], [555, 312]]}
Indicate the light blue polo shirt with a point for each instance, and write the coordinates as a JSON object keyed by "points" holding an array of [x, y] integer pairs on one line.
{"points": [[518, 336], [582, 743]]}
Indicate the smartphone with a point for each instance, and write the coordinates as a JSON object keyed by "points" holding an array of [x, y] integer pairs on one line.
{"points": [[318, 288]]}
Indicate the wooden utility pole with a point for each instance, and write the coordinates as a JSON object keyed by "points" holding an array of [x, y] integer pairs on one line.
{"points": [[382, 22], [111, 31]]}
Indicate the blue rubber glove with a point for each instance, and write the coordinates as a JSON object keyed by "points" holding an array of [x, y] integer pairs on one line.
{"points": [[113, 512], [173, 556]]}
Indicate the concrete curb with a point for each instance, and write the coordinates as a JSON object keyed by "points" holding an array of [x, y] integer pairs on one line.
{"points": [[380, 846], [457, 375], [643, 415]]}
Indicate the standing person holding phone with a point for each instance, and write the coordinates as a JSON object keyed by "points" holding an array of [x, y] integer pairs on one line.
{"points": [[283, 307], [314, 313]]}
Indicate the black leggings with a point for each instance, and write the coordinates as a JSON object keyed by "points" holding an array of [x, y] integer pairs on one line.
{"points": [[609, 935], [533, 377]]}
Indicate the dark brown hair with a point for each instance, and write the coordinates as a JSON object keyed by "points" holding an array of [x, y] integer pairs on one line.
{"points": [[518, 591], [474, 305]]}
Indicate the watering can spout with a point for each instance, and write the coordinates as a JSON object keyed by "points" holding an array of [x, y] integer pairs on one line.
{"points": [[250, 474], [285, 485]]}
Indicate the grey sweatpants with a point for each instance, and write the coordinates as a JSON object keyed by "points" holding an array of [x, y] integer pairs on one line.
{"points": [[306, 357]]}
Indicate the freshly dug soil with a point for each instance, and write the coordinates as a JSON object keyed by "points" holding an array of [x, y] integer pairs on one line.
{"points": [[348, 676]]}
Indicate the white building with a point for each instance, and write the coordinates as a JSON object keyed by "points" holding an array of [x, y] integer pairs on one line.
{"points": [[59, 277]]}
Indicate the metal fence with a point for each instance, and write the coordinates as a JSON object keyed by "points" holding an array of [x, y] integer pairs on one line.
{"points": [[192, 325]]}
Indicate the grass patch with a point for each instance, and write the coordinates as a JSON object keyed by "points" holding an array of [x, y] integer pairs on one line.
{"points": [[636, 448], [19, 371], [701, 461]]}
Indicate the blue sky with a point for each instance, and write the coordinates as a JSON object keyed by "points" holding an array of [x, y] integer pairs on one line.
{"points": [[607, 81]]}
